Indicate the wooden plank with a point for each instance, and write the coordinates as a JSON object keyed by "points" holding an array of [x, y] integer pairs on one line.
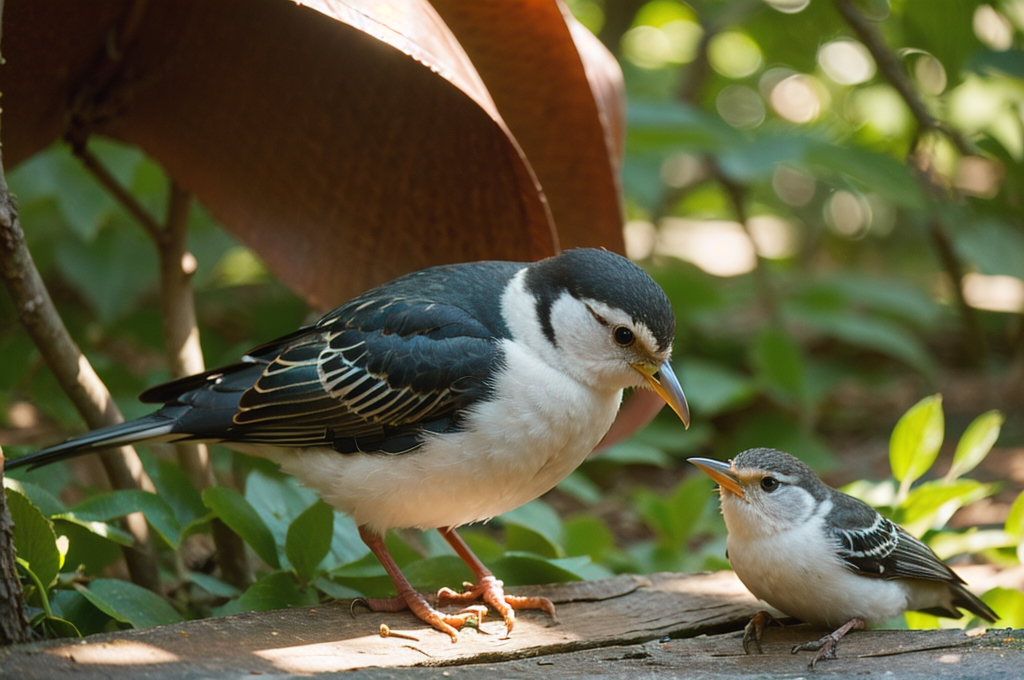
{"points": [[623, 610]]}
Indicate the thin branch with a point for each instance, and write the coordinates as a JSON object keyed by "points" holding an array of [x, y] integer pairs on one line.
{"points": [[75, 375], [120, 194], [185, 357], [891, 68]]}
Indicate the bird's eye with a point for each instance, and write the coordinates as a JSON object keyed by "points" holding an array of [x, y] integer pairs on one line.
{"points": [[623, 336], [769, 484]]}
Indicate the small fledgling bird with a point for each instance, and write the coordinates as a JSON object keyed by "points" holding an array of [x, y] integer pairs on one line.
{"points": [[823, 557], [447, 396]]}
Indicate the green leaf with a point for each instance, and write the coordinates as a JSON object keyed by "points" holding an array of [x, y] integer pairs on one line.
{"points": [[714, 388], [872, 333], [933, 503], [309, 539], [756, 160], [235, 511], [580, 487], [278, 499], [588, 535], [975, 443], [34, 538], [334, 590], [212, 585], [113, 271], [1008, 604], [874, 171], [517, 569], [1008, 62], [176, 489], [534, 527], [994, 246], [916, 440], [56, 627], [780, 365], [633, 452], [95, 527], [129, 603], [432, 573], [1015, 519], [276, 590], [106, 507], [71, 606], [89, 551], [47, 503]]}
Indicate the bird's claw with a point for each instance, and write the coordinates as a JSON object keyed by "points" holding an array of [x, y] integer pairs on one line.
{"points": [[825, 647], [492, 591], [754, 629], [449, 624]]}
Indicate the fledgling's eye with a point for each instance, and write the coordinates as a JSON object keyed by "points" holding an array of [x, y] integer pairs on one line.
{"points": [[623, 336], [769, 484]]}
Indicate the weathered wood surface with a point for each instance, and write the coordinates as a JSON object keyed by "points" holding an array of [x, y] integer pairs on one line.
{"points": [[619, 626]]}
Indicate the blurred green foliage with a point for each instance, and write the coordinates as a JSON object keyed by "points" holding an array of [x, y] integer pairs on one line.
{"points": [[799, 328]]}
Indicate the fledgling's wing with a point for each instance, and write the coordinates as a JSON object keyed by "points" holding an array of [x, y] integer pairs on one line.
{"points": [[870, 544]]}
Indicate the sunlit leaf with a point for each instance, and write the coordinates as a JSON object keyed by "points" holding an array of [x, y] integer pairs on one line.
{"points": [[973, 541], [931, 504], [916, 440], [975, 443], [1015, 519], [34, 538], [1008, 604], [108, 506], [235, 511]]}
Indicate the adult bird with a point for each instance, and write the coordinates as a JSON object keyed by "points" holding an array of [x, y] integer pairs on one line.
{"points": [[445, 397], [823, 557]]}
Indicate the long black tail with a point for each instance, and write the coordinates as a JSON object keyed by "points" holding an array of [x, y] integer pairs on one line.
{"points": [[154, 427], [967, 600]]}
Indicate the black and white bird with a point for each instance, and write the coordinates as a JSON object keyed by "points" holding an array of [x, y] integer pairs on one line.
{"points": [[824, 557], [445, 397]]}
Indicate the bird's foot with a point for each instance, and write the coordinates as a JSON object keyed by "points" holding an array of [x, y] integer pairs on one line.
{"points": [[415, 602], [825, 648], [755, 629], [492, 591]]}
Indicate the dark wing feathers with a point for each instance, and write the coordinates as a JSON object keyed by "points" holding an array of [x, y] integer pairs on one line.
{"points": [[870, 544], [372, 375], [363, 378]]}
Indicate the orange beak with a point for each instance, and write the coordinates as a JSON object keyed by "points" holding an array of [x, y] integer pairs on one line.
{"points": [[721, 473]]}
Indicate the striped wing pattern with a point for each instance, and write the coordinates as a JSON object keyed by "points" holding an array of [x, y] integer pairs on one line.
{"points": [[369, 376], [882, 548]]}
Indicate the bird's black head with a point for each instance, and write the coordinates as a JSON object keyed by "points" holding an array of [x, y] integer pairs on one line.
{"points": [[592, 274]]}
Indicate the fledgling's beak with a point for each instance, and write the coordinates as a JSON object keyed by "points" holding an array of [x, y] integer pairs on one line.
{"points": [[664, 382], [721, 473]]}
